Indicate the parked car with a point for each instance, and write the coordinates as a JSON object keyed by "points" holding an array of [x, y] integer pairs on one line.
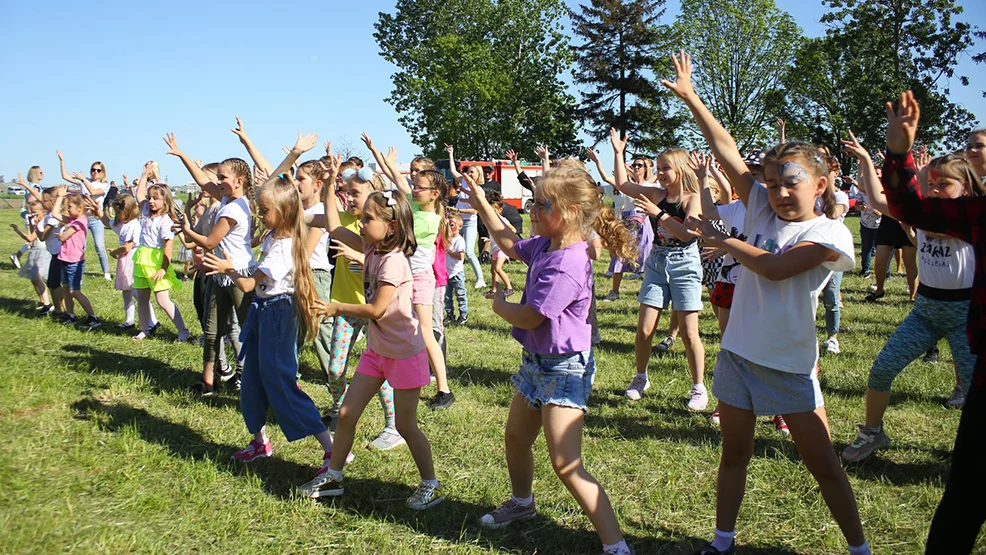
{"points": [[15, 190]]}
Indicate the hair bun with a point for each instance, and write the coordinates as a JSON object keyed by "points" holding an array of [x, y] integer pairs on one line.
{"points": [[365, 174]]}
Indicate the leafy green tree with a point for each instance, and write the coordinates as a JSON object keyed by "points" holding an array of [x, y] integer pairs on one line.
{"points": [[743, 50], [872, 51], [480, 74], [623, 49]]}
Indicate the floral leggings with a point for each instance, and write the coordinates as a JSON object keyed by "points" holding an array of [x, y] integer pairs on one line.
{"points": [[344, 330]]}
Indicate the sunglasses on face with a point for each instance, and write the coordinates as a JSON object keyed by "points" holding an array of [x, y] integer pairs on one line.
{"points": [[637, 166], [95, 170]]}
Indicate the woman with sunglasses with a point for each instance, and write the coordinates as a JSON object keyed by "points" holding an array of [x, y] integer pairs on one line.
{"points": [[95, 186]]}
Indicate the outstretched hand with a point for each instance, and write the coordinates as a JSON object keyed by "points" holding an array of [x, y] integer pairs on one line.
{"points": [[172, 142], [542, 152], [619, 143], [511, 155], [367, 141], [902, 123], [590, 153], [60, 157], [304, 143], [853, 148], [703, 229], [240, 131], [477, 196], [682, 85], [699, 163], [646, 205]]}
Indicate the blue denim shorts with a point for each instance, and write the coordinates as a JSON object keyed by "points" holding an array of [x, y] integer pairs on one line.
{"points": [[561, 380], [673, 276], [72, 274]]}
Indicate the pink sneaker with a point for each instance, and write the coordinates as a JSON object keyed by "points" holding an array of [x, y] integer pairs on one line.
{"points": [[328, 456], [781, 425], [253, 451]]}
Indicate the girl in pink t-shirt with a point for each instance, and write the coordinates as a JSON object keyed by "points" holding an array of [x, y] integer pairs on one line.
{"points": [[73, 255], [551, 322], [395, 343]]}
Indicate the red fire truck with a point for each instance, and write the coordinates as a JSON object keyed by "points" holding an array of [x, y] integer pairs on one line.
{"points": [[506, 175]]}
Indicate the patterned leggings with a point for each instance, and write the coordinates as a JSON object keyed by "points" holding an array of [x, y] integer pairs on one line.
{"points": [[344, 330]]}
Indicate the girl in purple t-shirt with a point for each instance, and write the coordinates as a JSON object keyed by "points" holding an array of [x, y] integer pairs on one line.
{"points": [[551, 322]]}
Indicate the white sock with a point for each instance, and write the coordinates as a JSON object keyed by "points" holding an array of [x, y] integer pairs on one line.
{"points": [[619, 548], [334, 474], [432, 483], [698, 386], [523, 501], [723, 540], [24, 248], [860, 549]]}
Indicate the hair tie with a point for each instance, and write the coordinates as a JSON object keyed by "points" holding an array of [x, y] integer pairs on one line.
{"points": [[389, 195], [283, 176], [365, 174]]}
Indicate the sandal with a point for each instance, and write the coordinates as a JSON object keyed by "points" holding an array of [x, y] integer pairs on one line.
{"points": [[873, 297]]}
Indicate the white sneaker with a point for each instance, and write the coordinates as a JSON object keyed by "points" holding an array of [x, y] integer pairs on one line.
{"points": [[698, 399], [832, 346], [481, 284], [638, 386], [611, 296], [15, 261], [388, 439], [957, 399], [107, 277]]}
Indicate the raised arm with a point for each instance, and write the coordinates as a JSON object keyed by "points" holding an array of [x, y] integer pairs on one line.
{"points": [[498, 231], [196, 172], [395, 172], [378, 156], [620, 180], [333, 225], [868, 179], [719, 140], [451, 161], [301, 146], [522, 177], [65, 174], [255, 154], [725, 189], [97, 209], [699, 163], [591, 154], [29, 188]]}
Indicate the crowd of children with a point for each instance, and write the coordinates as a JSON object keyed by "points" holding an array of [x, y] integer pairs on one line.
{"points": [[343, 252]]}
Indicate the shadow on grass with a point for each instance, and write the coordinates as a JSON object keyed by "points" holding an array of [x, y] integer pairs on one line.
{"points": [[19, 307], [453, 520], [901, 474], [163, 378]]}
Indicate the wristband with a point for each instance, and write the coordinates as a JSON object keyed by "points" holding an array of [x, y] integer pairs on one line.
{"points": [[661, 215]]}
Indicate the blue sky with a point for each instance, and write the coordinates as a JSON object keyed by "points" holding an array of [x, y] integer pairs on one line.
{"points": [[105, 81]]}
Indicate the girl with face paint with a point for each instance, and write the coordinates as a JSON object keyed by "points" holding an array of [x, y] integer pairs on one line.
{"points": [[770, 348]]}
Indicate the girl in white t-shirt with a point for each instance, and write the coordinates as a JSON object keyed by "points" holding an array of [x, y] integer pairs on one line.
{"points": [[283, 306], [152, 268], [230, 238], [395, 347], [127, 225], [834, 204], [769, 350], [945, 274]]}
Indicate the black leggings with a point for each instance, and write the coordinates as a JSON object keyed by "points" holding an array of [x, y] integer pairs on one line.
{"points": [[962, 510]]}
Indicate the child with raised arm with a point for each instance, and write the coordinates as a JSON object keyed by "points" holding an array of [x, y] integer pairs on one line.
{"points": [[72, 256], [283, 306], [770, 348], [231, 231], [152, 268], [961, 513], [50, 228], [38, 258], [395, 348], [551, 322]]}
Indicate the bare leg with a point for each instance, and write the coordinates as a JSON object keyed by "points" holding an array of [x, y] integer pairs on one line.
{"points": [[876, 406], [434, 349], [523, 427], [563, 435], [84, 301], [673, 325], [647, 320], [737, 450], [406, 409], [694, 350], [361, 389], [811, 436], [617, 280]]}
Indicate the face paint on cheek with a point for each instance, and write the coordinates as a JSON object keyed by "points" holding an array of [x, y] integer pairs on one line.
{"points": [[791, 172], [934, 175]]}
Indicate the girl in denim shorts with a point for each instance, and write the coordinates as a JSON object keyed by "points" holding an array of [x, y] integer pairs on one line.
{"points": [[551, 322], [770, 347]]}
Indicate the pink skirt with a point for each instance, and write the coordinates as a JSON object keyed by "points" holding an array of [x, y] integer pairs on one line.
{"points": [[125, 272]]}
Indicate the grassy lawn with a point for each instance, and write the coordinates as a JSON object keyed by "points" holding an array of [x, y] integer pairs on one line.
{"points": [[111, 453]]}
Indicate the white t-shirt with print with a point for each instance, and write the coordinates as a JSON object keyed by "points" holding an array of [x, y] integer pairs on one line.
{"points": [[945, 263], [772, 323], [320, 258], [236, 243], [732, 216], [277, 266], [155, 230], [453, 265], [52, 243]]}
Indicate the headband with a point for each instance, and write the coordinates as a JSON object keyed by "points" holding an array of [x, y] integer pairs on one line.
{"points": [[389, 195]]}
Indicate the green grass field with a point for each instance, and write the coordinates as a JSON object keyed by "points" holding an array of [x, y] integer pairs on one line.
{"points": [[110, 453]]}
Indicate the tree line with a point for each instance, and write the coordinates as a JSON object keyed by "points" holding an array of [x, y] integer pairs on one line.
{"points": [[488, 75]]}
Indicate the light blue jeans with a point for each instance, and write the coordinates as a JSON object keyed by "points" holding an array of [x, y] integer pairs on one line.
{"points": [[470, 232], [96, 229], [830, 298]]}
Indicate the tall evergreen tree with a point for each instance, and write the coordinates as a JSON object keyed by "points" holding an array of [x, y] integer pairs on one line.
{"points": [[623, 46]]}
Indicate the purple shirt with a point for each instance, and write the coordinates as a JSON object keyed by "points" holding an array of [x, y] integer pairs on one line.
{"points": [[559, 287]]}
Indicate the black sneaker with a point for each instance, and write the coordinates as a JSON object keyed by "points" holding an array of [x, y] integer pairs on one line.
{"points": [[709, 550], [92, 322], [235, 382], [331, 419], [204, 389], [931, 357], [57, 316], [153, 329], [442, 400], [226, 374], [69, 319], [462, 320], [665, 346], [449, 317], [44, 310]]}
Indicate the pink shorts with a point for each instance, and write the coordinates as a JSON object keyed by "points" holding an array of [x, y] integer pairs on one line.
{"points": [[405, 373], [500, 255], [423, 290]]}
